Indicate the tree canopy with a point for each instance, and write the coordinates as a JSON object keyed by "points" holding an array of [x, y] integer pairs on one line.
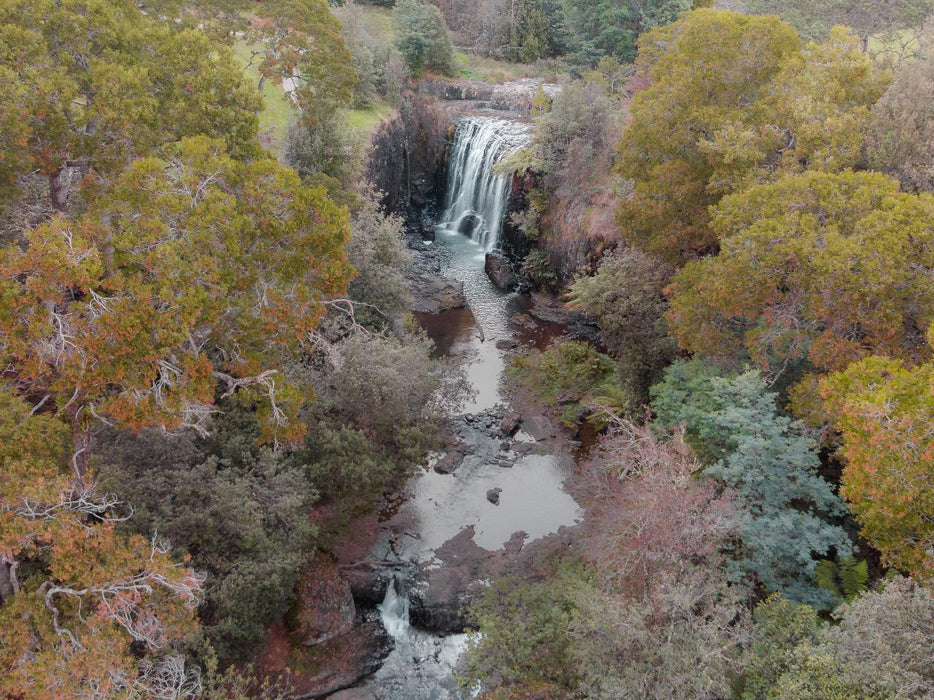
{"points": [[734, 101], [184, 271], [815, 271], [885, 413], [93, 84]]}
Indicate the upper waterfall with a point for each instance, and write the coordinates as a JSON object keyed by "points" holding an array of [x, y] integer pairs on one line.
{"points": [[476, 198]]}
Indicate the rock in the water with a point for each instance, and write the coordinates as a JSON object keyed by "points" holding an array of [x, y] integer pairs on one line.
{"points": [[500, 272], [449, 462], [506, 344], [493, 495], [510, 423], [325, 603], [539, 427]]}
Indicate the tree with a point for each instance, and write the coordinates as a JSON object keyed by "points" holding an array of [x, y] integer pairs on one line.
{"points": [[879, 647], [813, 20], [93, 84], [185, 273], [626, 298], [237, 511], [771, 464], [83, 610], [300, 41], [377, 252], [884, 412], [815, 272], [422, 37], [734, 101], [901, 136], [648, 613]]}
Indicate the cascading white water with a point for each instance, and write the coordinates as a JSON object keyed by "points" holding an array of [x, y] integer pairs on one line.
{"points": [[394, 610], [476, 197]]}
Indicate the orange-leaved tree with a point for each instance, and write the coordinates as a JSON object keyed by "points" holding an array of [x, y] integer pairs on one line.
{"points": [[186, 274], [815, 271], [884, 411], [84, 611]]}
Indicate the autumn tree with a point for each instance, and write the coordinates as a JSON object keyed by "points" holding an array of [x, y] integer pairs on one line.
{"points": [[185, 275], [733, 101], [93, 84], [878, 646], [901, 135], [83, 610], [815, 271], [884, 411]]}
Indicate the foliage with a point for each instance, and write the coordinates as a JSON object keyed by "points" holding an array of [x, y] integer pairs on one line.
{"points": [[537, 267], [422, 38], [626, 298], [814, 19], [92, 84], [573, 134], [376, 415], [564, 374], [377, 64], [879, 647], [525, 636], [376, 250], [772, 465], [652, 616], [733, 101], [300, 41], [847, 576], [884, 412], [239, 511], [182, 271], [84, 610], [901, 137], [815, 271]]}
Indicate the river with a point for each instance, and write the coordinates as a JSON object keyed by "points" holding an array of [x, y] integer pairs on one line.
{"points": [[448, 518]]}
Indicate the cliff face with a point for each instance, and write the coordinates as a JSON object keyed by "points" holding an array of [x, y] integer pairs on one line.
{"points": [[408, 157]]}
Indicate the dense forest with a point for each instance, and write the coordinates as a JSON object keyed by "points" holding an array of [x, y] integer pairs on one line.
{"points": [[222, 372]]}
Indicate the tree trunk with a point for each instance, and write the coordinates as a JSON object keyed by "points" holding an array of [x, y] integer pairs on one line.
{"points": [[8, 583], [58, 192]]}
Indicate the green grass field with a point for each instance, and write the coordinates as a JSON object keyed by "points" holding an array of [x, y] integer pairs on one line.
{"points": [[278, 110], [473, 67], [365, 121]]}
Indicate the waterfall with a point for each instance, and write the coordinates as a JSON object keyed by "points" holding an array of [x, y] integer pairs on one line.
{"points": [[476, 198], [394, 610]]}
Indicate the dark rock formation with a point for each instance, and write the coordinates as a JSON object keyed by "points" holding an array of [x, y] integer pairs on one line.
{"points": [[500, 272], [449, 462], [493, 495], [325, 603], [510, 423]]}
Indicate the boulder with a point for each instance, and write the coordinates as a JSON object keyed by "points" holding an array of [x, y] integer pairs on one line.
{"points": [[451, 461], [506, 344], [493, 495], [539, 427], [325, 608], [500, 272], [510, 423]]}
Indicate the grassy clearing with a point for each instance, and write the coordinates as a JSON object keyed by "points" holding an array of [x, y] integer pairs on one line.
{"points": [[378, 22], [278, 110], [490, 70], [365, 121]]}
